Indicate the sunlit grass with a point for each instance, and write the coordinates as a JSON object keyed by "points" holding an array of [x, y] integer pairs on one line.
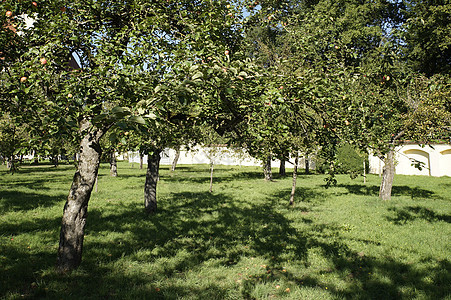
{"points": [[240, 242]]}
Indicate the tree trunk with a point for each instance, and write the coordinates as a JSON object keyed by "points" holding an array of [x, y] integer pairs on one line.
{"points": [[364, 171], [141, 160], [307, 164], [211, 176], [113, 164], [267, 169], [35, 157], [295, 175], [388, 175], [55, 160], [10, 164], [76, 207], [176, 159], [150, 187], [282, 171]]}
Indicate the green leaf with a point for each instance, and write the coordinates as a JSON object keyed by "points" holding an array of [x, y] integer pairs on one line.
{"points": [[138, 120], [119, 110], [113, 137], [243, 74], [198, 75], [158, 88]]}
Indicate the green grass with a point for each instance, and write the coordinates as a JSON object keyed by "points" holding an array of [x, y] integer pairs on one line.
{"points": [[240, 242]]}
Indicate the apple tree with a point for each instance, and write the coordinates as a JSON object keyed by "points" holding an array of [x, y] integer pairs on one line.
{"points": [[117, 46]]}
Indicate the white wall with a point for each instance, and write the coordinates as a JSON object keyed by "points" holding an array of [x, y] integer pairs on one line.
{"points": [[200, 155], [436, 160]]}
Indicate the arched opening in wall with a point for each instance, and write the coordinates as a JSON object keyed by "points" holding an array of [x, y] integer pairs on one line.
{"points": [[420, 164], [445, 163]]}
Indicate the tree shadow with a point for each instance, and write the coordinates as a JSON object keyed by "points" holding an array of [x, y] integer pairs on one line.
{"points": [[215, 226], [192, 229], [16, 201], [301, 195], [373, 190], [407, 214], [30, 169]]}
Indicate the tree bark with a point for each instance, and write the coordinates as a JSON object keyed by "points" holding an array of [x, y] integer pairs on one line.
{"points": [[176, 159], [113, 164], [141, 160], [295, 175], [282, 170], [388, 175], [55, 160], [364, 171], [211, 176], [307, 164], [11, 164], [76, 207], [35, 158], [267, 169], [150, 187]]}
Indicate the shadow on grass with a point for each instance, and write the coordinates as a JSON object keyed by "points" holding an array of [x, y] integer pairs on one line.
{"points": [[18, 269], [208, 227], [373, 190], [193, 229], [16, 201], [41, 167], [410, 213]]}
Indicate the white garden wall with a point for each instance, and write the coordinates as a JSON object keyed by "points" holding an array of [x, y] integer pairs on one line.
{"points": [[436, 160]]}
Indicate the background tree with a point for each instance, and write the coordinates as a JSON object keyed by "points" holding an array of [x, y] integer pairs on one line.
{"points": [[427, 36]]}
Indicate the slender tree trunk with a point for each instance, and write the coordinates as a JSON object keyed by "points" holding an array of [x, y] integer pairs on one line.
{"points": [[113, 164], [211, 176], [176, 159], [76, 207], [10, 164], [364, 171], [150, 187], [282, 170], [295, 175], [307, 164], [141, 160], [267, 169], [388, 175], [35, 157]]}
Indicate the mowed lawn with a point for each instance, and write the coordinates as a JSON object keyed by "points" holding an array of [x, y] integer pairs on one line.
{"points": [[240, 242]]}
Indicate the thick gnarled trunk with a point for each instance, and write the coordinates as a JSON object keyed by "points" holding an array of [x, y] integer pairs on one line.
{"points": [[282, 170], [267, 169], [150, 187], [76, 207], [388, 175]]}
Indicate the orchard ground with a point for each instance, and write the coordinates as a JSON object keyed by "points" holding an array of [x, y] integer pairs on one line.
{"points": [[240, 242]]}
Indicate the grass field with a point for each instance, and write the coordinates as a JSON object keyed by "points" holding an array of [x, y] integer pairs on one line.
{"points": [[240, 242]]}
